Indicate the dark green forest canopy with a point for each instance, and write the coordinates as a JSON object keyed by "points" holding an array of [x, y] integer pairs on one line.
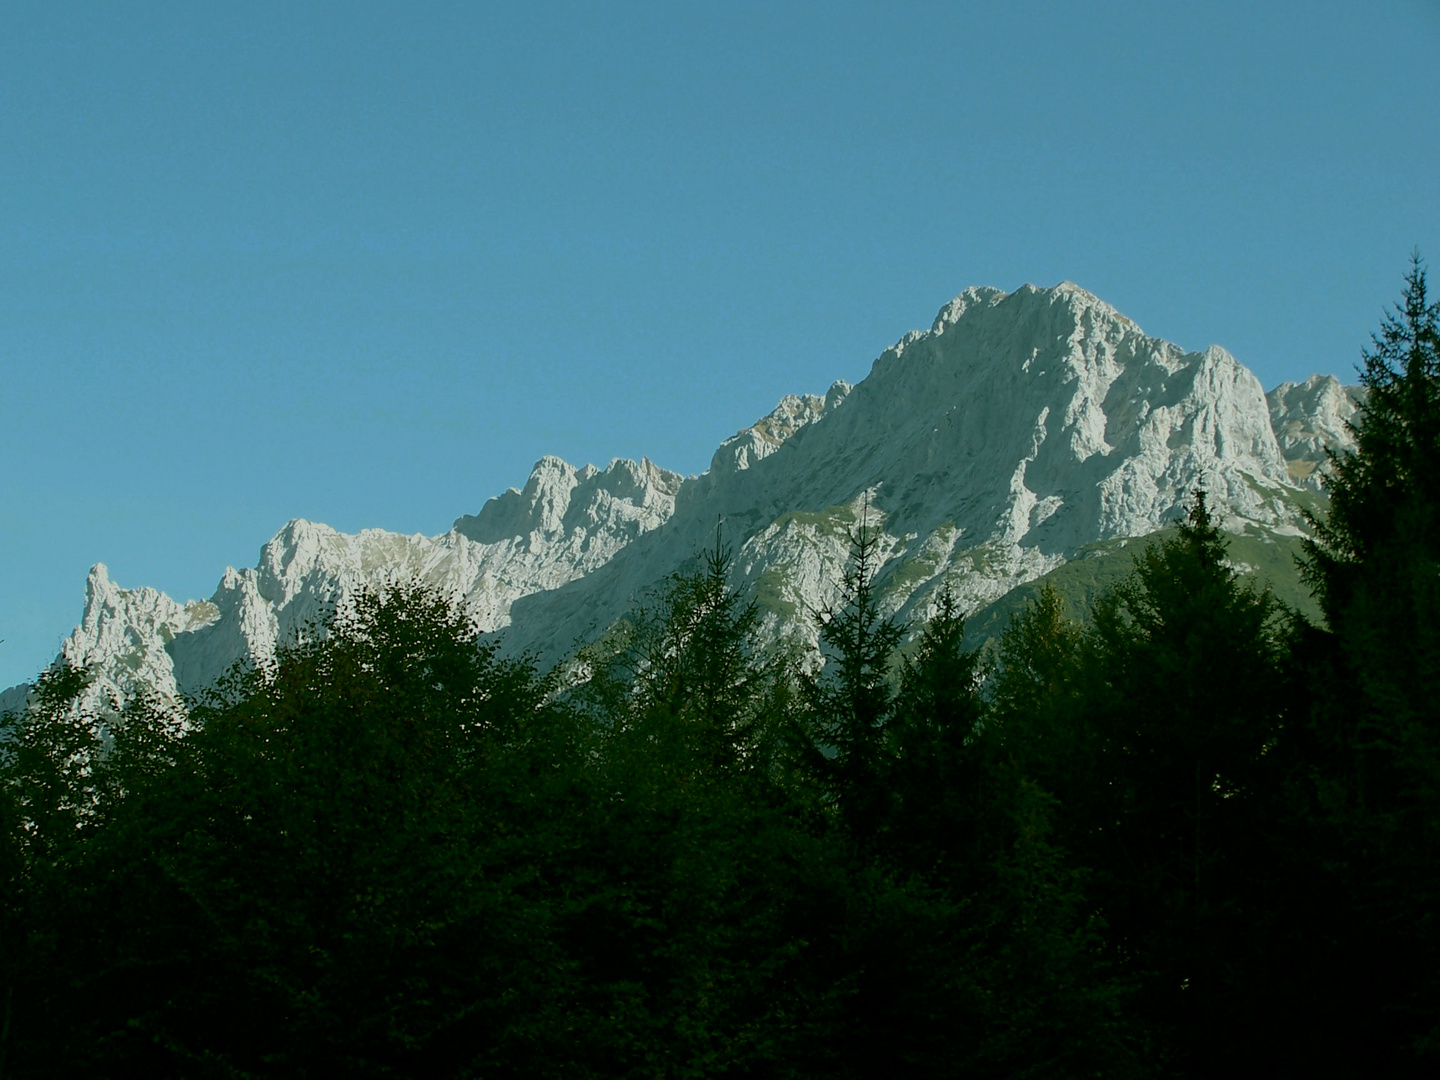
{"points": [[1179, 819]]}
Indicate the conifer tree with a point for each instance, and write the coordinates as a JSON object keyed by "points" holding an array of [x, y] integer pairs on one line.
{"points": [[1034, 689], [936, 766], [852, 699], [694, 669], [1375, 558], [1182, 701], [1370, 765], [1385, 496]]}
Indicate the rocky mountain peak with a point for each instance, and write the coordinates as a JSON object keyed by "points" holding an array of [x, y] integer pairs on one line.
{"points": [[1050, 399]]}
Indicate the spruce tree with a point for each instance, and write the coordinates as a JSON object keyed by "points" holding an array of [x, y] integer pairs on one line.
{"points": [[1375, 557], [1182, 702], [1034, 689], [1368, 776], [937, 769], [692, 672], [852, 699], [1383, 497]]}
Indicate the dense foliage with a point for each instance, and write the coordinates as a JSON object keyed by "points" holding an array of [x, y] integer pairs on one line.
{"points": [[1195, 835]]}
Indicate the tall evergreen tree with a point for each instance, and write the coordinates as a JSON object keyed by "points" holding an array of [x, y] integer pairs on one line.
{"points": [[1369, 774], [852, 699], [1375, 557], [1380, 529], [1034, 687], [937, 769], [1182, 701], [692, 672]]}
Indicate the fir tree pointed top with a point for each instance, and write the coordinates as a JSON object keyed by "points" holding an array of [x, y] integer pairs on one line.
{"points": [[1201, 532], [1390, 484]]}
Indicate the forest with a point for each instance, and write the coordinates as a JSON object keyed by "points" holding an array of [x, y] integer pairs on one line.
{"points": [[1194, 834]]}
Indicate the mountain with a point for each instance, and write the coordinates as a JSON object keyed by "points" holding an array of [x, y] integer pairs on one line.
{"points": [[1022, 434]]}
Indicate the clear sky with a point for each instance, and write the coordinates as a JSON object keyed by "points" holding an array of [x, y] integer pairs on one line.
{"points": [[364, 263]]}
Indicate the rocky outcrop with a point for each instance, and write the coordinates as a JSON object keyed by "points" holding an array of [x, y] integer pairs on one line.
{"points": [[1310, 418], [766, 435]]}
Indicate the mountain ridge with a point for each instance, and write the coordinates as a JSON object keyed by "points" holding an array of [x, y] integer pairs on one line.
{"points": [[988, 451]]}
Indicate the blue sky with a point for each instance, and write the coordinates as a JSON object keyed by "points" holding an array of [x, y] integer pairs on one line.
{"points": [[364, 263]]}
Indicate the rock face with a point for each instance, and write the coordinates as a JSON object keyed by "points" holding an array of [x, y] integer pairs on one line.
{"points": [[988, 450], [1309, 418], [1018, 429]]}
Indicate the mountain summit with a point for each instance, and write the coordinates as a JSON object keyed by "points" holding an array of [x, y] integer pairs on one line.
{"points": [[1018, 432]]}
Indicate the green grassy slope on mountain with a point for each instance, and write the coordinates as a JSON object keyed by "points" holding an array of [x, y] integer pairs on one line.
{"points": [[1267, 557]]}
